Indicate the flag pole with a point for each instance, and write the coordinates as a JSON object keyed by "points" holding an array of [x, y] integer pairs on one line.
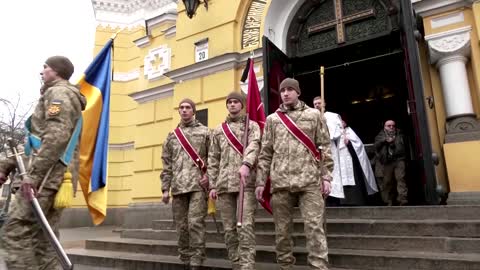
{"points": [[322, 89], [116, 33], [245, 143]]}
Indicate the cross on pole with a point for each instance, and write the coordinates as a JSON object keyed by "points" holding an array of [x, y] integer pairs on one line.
{"points": [[340, 21]]}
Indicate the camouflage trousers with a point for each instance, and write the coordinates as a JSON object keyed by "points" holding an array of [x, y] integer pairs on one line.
{"points": [[189, 212], [394, 173], [312, 208], [240, 242], [24, 242]]}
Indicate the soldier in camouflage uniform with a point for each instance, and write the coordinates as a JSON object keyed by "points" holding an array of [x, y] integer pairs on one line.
{"points": [[53, 121], [296, 177], [188, 185], [226, 168]]}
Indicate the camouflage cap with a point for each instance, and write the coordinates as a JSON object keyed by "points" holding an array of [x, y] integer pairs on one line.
{"points": [[238, 96], [189, 101], [289, 82], [61, 65]]}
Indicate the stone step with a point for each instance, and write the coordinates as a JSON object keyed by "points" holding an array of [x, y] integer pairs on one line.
{"points": [[348, 258], [444, 212], [108, 260], [446, 228], [369, 242], [141, 215]]}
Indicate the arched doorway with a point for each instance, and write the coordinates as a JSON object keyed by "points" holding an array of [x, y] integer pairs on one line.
{"points": [[363, 46]]}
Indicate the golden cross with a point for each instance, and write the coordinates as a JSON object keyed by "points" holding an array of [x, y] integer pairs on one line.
{"points": [[340, 21]]}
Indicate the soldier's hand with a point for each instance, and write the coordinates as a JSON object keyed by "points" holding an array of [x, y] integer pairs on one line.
{"points": [[204, 182], [28, 189], [259, 193], [213, 194], [165, 197], [326, 188], [244, 173], [3, 178]]}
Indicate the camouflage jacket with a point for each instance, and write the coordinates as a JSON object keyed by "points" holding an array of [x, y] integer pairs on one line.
{"points": [[286, 160], [224, 161], [53, 121], [180, 174]]}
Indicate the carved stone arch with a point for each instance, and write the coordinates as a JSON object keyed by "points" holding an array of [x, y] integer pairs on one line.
{"points": [[250, 36], [319, 26]]}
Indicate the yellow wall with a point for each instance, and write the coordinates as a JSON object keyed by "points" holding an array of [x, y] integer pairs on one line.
{"points": [[134, 172], [454, 154], [462, 164]]}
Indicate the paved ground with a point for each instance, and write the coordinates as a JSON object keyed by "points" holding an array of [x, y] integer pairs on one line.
{"points": [[75, 237]]}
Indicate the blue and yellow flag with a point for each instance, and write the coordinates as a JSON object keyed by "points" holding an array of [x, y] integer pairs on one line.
{"points": [[95, 86]]}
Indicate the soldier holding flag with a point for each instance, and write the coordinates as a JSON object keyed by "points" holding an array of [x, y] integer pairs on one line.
{"points": [[299, 173], [50, 144], [184, 159], [229, 162]]}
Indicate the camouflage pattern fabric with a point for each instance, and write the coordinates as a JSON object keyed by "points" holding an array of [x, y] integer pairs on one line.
{"points": [[181, 176], [224, 161], [286, 160], [223, 165], [312, 208], [53, 120], [25, 243], [179, 173], [240, 242], [297, 177], [189, 212]]}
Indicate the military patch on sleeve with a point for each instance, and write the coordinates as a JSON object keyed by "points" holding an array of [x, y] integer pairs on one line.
{"points": [[55, 107]]}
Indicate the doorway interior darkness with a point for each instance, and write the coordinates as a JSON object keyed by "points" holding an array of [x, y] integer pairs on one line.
{"points": [[365, 83]]}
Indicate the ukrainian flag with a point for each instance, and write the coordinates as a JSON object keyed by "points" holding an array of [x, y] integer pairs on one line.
{"points": [[95, 86]]}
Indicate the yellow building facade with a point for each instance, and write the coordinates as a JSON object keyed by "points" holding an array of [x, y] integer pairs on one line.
{"points": [[162, 56]]}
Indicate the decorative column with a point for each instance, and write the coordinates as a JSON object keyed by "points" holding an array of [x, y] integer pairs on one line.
{"points": [[450, 51]]}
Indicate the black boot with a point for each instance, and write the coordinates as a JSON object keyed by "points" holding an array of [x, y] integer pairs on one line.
{"points": [[186, 266]]}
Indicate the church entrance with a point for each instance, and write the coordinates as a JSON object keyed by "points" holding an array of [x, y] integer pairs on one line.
{"points": [[365, 84], [367, 76]]}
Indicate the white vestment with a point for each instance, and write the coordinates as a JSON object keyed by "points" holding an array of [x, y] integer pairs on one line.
{"points": [[357, 144], [334, 123]]}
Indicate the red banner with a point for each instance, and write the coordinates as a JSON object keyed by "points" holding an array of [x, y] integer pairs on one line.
{"points": [[256, 112]]}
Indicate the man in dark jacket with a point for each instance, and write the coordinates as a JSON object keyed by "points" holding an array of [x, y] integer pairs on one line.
{"points": [[390, 163]]}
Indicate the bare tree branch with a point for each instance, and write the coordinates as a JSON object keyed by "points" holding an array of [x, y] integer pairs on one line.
{"points": [[12, 122]]}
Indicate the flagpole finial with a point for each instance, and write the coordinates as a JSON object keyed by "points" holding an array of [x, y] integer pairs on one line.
{"points": [[115, 35], [322, 70]]}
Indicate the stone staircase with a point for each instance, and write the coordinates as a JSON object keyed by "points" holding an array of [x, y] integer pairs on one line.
{"points": [[415, 237]]}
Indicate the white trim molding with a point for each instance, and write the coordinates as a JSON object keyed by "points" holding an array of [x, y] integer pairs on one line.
{"points": [[432, 7], [449, 19], [213, 65], [170, 32], [142, 42], [126, 76], [450, 51], [153, 94], [449, 43], [130, 14], [152, 70], [121, 146]]}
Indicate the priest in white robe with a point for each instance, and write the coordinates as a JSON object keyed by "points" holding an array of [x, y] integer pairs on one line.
{"points": [[334, 124], [355, 168]]}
